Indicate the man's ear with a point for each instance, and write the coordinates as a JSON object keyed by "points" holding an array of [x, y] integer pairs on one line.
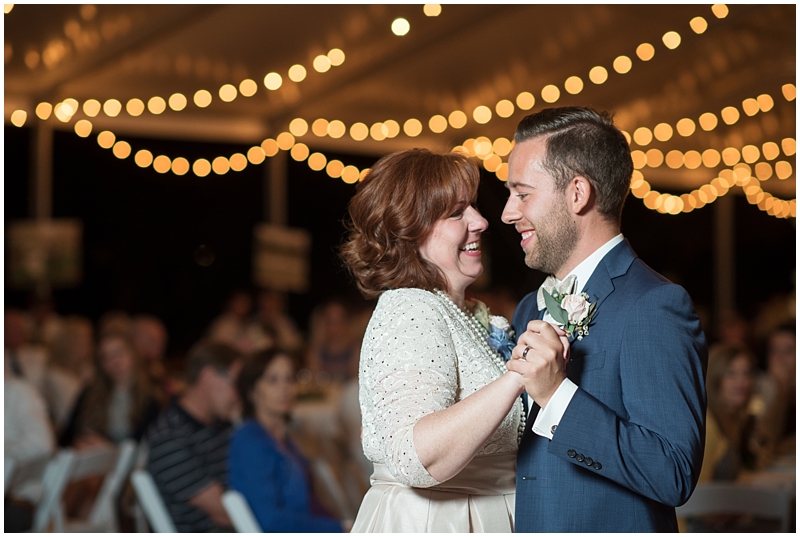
{"points": [[580, 195]]}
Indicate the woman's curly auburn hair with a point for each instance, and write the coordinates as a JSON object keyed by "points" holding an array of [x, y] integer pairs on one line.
{"points": [[394, 211]]}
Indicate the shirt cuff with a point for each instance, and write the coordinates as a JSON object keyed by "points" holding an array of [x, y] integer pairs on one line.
{"points": [[549, 417]]}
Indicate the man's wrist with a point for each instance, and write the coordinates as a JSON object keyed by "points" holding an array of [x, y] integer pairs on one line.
{"points": [[549, 417], [543, 401]]}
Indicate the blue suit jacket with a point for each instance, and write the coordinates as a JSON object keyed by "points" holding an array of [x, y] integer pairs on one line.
{"points": [[630, 444]]}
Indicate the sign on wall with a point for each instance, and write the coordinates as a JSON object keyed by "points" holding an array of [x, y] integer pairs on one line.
{"points": [[280, 258]]}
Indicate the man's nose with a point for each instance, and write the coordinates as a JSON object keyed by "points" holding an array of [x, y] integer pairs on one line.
{"points": [[510, 212]]}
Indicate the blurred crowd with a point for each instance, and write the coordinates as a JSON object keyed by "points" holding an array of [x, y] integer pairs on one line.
{"points": [[220, 416], [74, 383]]}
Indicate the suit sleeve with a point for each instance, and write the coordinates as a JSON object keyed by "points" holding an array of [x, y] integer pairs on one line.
{"points": [[655, 450]]}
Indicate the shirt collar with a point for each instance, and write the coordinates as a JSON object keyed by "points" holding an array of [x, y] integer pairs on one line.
{"points": [[585, 268]]}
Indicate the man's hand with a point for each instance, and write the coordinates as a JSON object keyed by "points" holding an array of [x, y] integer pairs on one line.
{"points": [[541, 358]]}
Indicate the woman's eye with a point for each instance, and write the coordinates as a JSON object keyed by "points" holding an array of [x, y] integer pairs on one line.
{"points": [[457, 214]]}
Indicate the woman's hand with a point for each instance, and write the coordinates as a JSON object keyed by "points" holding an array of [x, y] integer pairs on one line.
{"points": [[562, 335], [90, 439]]}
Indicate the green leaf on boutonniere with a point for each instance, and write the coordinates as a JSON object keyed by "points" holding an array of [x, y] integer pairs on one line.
{"points": [[481, 313], [554, 309]]}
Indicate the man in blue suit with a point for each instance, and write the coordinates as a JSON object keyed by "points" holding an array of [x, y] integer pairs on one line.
{"points": [[618, 427]]}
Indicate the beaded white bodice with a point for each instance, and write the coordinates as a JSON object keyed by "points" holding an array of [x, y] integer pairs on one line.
{"points": [[421, 354]]}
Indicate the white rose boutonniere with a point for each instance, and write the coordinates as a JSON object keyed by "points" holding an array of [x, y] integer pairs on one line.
{"points": [[572, 311]]}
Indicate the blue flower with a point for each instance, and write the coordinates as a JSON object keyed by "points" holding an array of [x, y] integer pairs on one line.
{"points": [[501, 338]]}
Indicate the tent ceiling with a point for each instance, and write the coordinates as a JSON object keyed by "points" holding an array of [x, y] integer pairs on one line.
{"points": [[469, 55]]}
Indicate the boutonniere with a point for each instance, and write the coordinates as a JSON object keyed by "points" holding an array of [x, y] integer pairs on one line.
{"points": [[570, 310], [501, 336]]}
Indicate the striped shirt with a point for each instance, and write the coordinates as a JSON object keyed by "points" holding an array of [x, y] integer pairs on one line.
{"points": [[184, 458]]}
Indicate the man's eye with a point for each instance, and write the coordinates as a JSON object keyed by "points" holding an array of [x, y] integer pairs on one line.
{"points": [[522, 196]]}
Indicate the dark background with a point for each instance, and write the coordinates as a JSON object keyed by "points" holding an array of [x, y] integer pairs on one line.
{"points": [[142, 231]]}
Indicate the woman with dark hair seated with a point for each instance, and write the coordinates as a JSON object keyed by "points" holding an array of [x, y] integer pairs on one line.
{"points": [[263, 463]]}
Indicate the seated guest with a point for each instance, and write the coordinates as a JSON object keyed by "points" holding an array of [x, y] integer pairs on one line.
{"points": [[777, 391], [188, 443], [28, 436], [271, 325], [264, 464], [150, 339], [114, 321], [730, 439], [27, 430], [71, 367], [335, 347], [118, 404], [26, 359], [230, 326]]}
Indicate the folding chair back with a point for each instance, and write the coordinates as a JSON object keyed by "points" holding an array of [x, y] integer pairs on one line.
{"points": [[151, 502], [244, 521], [103, 516]]}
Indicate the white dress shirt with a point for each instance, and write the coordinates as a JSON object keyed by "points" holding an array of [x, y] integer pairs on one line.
{"points": [[549, 417]]}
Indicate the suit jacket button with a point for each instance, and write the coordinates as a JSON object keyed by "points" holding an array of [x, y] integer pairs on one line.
{"points": [[571, 453], [588, 461], [597, 465], [579, 457]]}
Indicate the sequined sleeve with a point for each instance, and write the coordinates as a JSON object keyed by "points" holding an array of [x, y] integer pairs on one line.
{"points": [[408, 370]]}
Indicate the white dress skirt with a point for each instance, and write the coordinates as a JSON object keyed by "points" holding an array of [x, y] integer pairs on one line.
{"points": [[422, 354]]}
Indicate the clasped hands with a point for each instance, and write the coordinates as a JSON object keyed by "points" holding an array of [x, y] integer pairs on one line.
{"points": [[541, 357]]}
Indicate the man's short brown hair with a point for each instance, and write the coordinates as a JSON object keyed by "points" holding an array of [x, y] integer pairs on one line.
{"points": [[220, 356]]}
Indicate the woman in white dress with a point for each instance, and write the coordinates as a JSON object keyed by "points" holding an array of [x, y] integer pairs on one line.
{"points": [[441, 414]]}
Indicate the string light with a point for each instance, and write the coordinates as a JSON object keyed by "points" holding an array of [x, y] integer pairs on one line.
{"points": [[400, 27], [83, 128], [157, 105], [458, 119], [699, 25], [432, 10], [135, 107], [18, 117], [525, 100], [248, 87], [273, 81], [708, 121], [178, 101]]}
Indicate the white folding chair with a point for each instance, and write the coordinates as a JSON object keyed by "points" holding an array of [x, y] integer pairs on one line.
{"points": [[24, 479], [151, 502], [332, 488], [728, 498], [139, 518], [242, 517], [54, 481], [69, 466], [103, 516]]}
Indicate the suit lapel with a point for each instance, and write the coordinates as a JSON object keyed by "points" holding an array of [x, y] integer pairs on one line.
{"points": [[614, 264]]}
